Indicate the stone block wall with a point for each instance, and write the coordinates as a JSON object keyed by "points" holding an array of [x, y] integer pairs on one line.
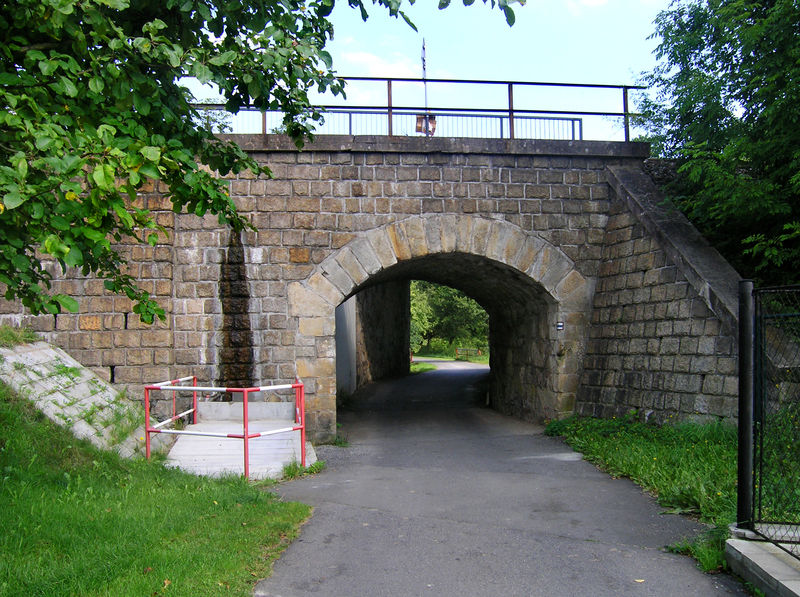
{"points": [[382, 332], [656, 344], [528, 228]]}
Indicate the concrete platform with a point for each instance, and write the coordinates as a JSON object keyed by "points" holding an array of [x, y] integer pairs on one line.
{"points": [[218, 456], [765, 565]]}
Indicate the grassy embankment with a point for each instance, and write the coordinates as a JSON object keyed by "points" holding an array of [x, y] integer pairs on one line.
{"points": [[690, 468], [79, 521]]}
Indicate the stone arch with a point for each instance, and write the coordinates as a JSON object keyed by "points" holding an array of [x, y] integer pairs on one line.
{"points": [[563, 293]]}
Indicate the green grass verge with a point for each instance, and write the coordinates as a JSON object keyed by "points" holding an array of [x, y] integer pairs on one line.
{"points": [[11, 336], [421, 367], [79, 521], [690, 468]]}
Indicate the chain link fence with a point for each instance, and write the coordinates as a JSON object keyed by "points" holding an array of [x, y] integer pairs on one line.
{"points": [[776, 417]]}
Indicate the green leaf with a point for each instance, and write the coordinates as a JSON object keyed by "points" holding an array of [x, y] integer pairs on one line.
{"points": [[69, 87], [202, 72], [92, 234], [150, 171], [224, 58], [510, 17], [151, 153], [103, 176], [13, 199], [326, 58], [66, 302], [21, 262], [48, 67], [74, 258], [43, 142], [123, 215], [96, 84]]}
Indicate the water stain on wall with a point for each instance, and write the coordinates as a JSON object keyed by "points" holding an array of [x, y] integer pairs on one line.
{"points": [[236, 365]]}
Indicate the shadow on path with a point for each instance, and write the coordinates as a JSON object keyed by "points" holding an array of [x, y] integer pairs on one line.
{"points": [[438, 495]]}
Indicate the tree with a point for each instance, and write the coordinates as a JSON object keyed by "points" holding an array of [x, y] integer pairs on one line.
{"points": [[443, 312], [91, 107], [727, 106]]}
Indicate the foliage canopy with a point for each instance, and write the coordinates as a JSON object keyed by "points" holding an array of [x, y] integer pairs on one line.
{"points": [[92, 107], [443, 312], [727, 106]]}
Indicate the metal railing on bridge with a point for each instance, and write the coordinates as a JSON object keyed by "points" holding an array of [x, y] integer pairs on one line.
{"points": [[497, 109]]}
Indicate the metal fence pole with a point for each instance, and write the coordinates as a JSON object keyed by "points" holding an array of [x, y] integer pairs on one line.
{"points": [[625, 111], [510, 110], [744, 501], [389, 103]]}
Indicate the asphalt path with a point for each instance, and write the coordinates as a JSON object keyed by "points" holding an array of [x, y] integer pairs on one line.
{"points": [[438, 495]]}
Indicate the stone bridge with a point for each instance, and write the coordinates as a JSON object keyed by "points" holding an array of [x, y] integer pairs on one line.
{"points": [[600, 298]]}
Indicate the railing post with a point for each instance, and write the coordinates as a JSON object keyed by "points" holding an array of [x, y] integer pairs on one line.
{"points": [[744, 496], [510, 110], [264, 123], [389, 103], [147, 423], [300, 407], [246, 433], [625, 112], [194, 401]]}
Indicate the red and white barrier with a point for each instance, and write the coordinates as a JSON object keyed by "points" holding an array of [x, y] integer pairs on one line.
{"points": [[175, 386]]}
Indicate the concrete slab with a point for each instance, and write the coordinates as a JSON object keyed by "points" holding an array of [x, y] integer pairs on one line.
{"points": [[218, 456], [765, 565]]}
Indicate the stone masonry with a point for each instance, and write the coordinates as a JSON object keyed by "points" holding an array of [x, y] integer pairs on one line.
{"points": [[596, 298]]}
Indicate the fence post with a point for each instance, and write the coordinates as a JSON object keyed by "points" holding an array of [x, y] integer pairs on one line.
{"points": [[625, 110], [744, 497], [389, 103], [510, 110]]}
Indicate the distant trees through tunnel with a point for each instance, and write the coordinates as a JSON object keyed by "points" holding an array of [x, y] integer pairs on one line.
{"points": [[444, 319]]}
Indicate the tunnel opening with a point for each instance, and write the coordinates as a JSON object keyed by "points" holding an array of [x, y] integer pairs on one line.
{"points": [[373, 339]]}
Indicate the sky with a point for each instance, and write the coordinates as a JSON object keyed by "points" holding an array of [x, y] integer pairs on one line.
{"points": [[587, 41], [574, 41]]}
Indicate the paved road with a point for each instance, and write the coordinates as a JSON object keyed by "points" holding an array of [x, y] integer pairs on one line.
{"points": [[437, 495]]}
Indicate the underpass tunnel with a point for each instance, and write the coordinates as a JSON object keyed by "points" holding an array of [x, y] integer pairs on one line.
{"points": [[372, 339]]}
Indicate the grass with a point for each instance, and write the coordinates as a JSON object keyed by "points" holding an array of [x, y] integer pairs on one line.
{"points": [[690, 468], [79, 521], [442, 356], [294, 470], [11, 336], [421, 368]]}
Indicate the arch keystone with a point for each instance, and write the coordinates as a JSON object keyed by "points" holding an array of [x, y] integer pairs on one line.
{"points": [[464, 234], [447, 233], [433, 234]]}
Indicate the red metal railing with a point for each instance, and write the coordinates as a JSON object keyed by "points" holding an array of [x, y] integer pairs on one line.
{"points": [[175, 386]]}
